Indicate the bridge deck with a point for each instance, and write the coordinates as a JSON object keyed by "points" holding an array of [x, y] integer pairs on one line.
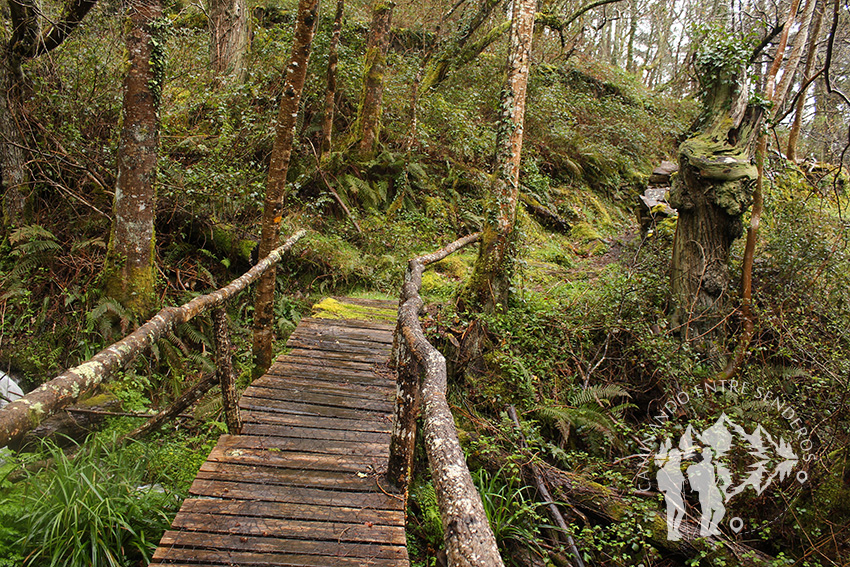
{"points": [[301, 486]]}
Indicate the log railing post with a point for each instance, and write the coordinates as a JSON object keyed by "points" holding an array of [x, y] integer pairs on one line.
{"points": [[224, 371], [422, 374], [405, 412]]}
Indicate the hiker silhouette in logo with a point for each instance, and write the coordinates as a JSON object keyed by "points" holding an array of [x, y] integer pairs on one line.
{"points": [[702, 479], [670, 482]]}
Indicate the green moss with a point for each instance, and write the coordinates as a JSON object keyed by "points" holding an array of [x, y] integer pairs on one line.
{"points": [[584, 232], [453, 266], [330, 308]]}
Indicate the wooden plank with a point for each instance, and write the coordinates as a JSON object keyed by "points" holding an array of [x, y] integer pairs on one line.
{"points": [[241, 481], [277, 527], [311, 432], [380, 403], [274, 418], [296, 460], [331, 327], [362, 350], [249, 402], [179, 556], [351, 323], [287, 444], [366, 338], [331, 386], [270, 544], [270, 492], [294, 511], [341, 376], [315, 363], [326, 353]]}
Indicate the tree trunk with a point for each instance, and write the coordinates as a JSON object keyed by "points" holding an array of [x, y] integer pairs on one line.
{"points": [[27, 41], [437, 69], [793, 61], [12, 158], [296, 74], [229, 38], [129, 267], [490, 281], [712, 191], [794, 133], [373, 76], [330, 93]]}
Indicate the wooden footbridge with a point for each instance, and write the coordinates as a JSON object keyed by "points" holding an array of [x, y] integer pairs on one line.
{"points": [[305, 480], [302, 484]]}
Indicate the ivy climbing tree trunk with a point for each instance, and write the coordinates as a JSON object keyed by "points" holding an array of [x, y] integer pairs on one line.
{"points": [[229, 38], [129, 266], [490, 282], [330, 92], [28, 41], [713, 190], [296, 74], [375, 63]]}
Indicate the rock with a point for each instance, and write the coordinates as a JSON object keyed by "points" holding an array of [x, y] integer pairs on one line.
{"points": [[9, 389], [661, 174]]}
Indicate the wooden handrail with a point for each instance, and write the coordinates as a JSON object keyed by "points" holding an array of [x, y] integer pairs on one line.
{"points": [[469, 539], [25, 413]]}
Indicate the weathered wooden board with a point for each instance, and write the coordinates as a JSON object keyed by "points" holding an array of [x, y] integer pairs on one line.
{"points": [[275, 545], [301, 485]]}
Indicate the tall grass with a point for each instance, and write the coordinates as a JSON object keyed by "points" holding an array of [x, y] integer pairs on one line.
{"points": [[93, 508]]}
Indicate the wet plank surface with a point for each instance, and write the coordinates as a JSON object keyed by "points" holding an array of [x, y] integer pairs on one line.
{"points": [[301, 485]]}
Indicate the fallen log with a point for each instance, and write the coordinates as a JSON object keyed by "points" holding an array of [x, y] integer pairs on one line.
{"points": [[186, 399], [544, 216], [608, 505], [25, 413]]}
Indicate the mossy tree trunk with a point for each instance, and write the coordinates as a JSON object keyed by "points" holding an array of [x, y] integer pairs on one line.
{"points": [[712, 191], [375, 63], [490, 282], [296, 74], [129, 267], [229, 38], [330, 92], [28, 41]]}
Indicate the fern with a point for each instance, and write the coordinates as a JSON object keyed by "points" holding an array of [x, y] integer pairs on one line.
{"points": [[432, 524], [589, 409]]}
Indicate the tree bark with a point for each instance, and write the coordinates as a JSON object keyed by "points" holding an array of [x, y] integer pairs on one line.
{"points": [[27, 41], [330, 92], [23, 414], [713, 190], [375, 62], [490, 281], [229, 38], [296, 74], [224, 372], [812, 48], [12, 159], [129, 268]]}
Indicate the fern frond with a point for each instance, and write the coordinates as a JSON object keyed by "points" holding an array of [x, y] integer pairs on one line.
{"points": [[598, 393]]}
